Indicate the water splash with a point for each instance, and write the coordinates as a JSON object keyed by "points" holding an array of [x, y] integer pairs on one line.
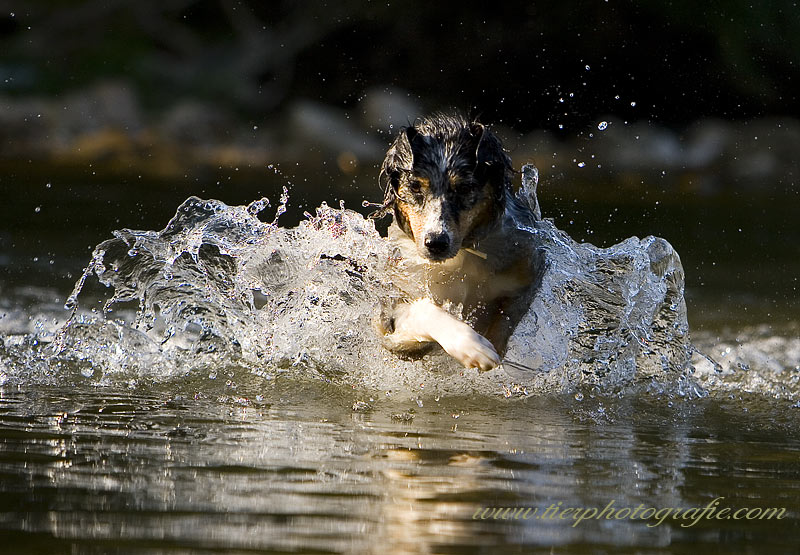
{"points": [[219, 290], [761, 360], [219, 287]]}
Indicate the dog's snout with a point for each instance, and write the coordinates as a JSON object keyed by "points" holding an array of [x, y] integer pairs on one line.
{"points": [[437, 243]]}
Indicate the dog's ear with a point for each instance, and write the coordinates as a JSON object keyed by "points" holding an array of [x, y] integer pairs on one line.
{"points": [[470, 140], [408, 133], [399, 157], [492, 163], [476, 130], [488, 149]]}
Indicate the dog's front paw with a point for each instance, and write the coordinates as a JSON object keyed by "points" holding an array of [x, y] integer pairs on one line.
{"points": [[471, 349]]}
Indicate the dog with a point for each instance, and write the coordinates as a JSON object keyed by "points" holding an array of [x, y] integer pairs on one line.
{"points": [[465, 269]]}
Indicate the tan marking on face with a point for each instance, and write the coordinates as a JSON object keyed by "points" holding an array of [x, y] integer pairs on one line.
{"points": [[424, 184], [424, 181], [414, 218]]}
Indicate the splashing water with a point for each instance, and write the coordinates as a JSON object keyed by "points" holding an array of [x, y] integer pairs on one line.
{"points": [[218, 290]]}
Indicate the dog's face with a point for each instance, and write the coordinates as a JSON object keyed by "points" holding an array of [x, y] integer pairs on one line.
{"points": [[445, 180]]}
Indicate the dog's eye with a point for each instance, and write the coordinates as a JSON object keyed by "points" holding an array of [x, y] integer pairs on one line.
{"points": [[415, 185]]}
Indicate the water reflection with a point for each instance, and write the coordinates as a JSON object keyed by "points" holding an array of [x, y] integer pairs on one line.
{"points": [[123, 471]]}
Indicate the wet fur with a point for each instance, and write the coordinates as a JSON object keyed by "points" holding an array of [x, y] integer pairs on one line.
{"points": [[456, 242]]}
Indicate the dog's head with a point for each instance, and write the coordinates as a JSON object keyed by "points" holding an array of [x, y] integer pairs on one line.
{"points": [[445, 179]]}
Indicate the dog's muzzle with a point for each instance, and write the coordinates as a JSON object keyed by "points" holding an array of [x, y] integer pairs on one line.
{"points": [[437, 244]]}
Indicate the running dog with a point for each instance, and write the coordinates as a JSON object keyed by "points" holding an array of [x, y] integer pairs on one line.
{"points": [[466, 271]]}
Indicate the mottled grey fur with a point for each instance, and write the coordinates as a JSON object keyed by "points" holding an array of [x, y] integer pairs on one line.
{"points": [[450, 138], [447, 182]]}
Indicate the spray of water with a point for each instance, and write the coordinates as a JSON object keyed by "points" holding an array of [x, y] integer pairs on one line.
{"points": [[218, 290]]}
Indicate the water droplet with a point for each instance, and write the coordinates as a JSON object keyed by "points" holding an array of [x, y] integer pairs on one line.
{"points": [[581, 164], [37, 209], [579, 396], [602, 125]]}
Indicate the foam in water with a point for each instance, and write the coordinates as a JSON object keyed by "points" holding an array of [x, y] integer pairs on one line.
{"points": [[218, 289]]}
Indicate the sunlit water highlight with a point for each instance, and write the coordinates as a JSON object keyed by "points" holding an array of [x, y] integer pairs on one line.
{"points": [[218, 292], [228, 393], [219, 287]]}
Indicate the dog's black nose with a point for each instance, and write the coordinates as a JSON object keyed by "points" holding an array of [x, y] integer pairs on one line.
{"points": [[437, 243]]}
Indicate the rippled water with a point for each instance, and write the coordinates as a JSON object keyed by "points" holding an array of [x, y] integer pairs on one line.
{"points": [[294, 467], [226, 392]]}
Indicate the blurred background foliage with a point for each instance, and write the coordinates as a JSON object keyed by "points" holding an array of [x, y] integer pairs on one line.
{"points": [[509, 61]]}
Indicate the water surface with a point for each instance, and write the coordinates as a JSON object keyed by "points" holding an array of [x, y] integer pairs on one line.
{"points": [[238, 457], [297, 469]]}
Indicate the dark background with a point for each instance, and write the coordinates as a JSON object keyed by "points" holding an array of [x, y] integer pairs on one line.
{"points": [[508, 61], [112, 112]]}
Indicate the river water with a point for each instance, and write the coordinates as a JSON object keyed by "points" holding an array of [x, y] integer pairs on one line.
{"points": [[225, 393]]}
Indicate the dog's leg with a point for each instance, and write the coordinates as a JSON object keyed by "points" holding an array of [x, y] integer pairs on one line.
{"points": [[421, 322]]}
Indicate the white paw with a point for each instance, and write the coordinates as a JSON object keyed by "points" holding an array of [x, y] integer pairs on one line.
{"points": [[471, 349]]}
